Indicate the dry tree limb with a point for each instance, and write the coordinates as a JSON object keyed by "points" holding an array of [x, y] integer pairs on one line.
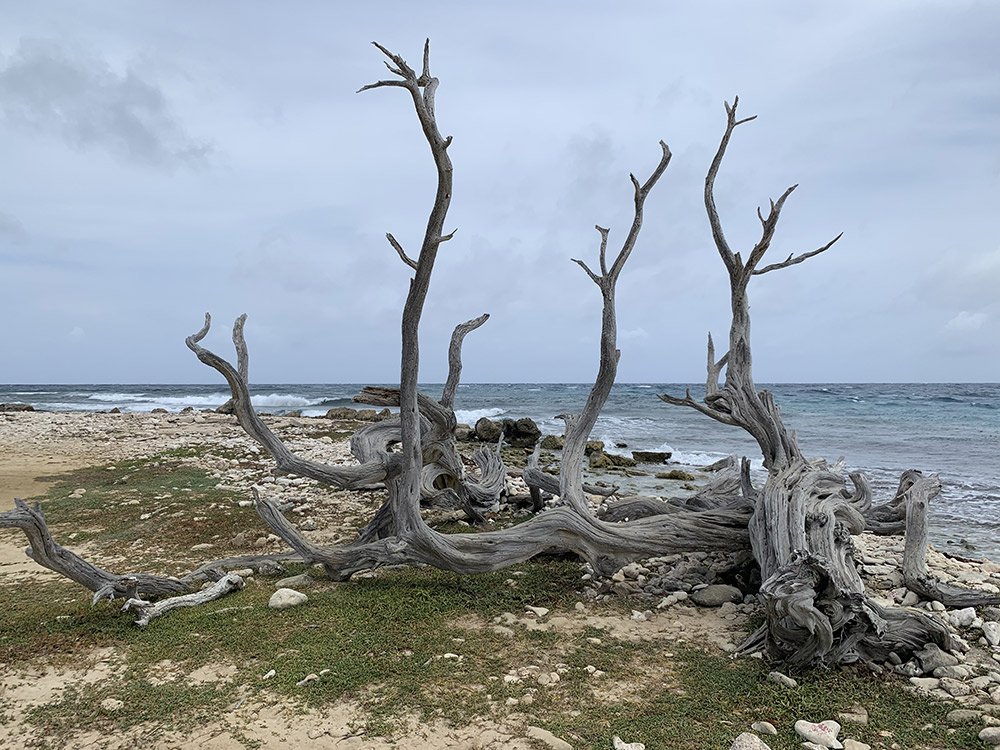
{"points": [[455, 358], [915, 574], [539, 481], [242, 360], [149, 611], [46, 552], [345, 477]]}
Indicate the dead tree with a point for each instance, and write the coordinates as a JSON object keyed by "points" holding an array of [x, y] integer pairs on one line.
{"points": [[817, 612], [404, 537], [444, 480]]}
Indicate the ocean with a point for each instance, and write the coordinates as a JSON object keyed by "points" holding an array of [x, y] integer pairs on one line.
{"points": [[949, 429]]}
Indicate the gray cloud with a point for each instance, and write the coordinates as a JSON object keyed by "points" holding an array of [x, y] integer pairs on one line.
{"points": [[883, 113], [12, 229], [64, 91]]}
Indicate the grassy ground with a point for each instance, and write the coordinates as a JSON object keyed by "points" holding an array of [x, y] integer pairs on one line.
{"points": [[389, 643]]}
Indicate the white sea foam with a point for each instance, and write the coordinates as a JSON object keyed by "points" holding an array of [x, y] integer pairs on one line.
{"points": [[471, 416], [114, 397]]}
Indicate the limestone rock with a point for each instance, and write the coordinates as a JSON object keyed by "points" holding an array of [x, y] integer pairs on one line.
{"points": [[716, 595], [748, 741], [112, 705], [856, 714], [285, 598], [553, 442], [487, 430], [302, 579], [823, 733], [619, 744], [678, 474], [992, 632], [990, 735], [850, 744], [963, 716], [764, 727], [782, 679], [651, 457], [520, 433], [962, 618], [931, 657]]}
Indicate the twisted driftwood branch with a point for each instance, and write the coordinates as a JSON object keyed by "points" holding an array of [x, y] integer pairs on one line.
{"points": [[915, 574], [149, 611], [45, 551]]}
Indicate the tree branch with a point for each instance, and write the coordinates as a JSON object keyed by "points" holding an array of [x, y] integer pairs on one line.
{"points": [[796, 259], [400, 252], [455, 357], [345, 477], [713, 213]]}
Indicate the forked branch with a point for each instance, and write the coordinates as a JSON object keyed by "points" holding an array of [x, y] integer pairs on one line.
{"points": [[345, 477]]}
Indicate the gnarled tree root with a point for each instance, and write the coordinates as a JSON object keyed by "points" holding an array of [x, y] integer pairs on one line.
{"points": [[918, 494], [817, 611], [607, 547]]}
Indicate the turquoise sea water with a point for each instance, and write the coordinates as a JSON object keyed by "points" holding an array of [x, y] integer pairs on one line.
{"points": [[883, 429]]}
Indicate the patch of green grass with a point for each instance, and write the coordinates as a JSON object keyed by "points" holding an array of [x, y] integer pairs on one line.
{"points": [[709, 699], [163, 502]]}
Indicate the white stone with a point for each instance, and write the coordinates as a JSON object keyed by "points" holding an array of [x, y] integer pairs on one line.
{"points": [[619, 744], [307, 679], [992, 632], [782, 679], [285, 598], [112, 705], [747, 741], [538, 611], [823, 734], [764, 727], [269, 675], [850, 744], [962, 618]]}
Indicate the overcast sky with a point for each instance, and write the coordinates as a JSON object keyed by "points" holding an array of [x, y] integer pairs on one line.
{"points": [[160, 160]]}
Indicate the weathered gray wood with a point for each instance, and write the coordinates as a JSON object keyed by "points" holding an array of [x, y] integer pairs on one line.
{"points": [[346, 477], [455, 358], [917, 496], [45, 551], [149, 611], [816, 608], [539, 481], [889, 519], [606, 546], [242, 360]]}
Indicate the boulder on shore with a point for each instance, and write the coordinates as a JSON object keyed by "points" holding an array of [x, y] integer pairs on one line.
{"points": [[602, 460], [553, 442], [651, 457], [487, 430], [16, 407], [358, 415], [521, 433]]}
